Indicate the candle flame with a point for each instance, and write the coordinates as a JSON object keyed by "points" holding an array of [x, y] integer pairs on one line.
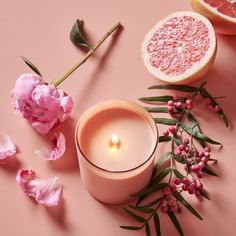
{"points": [[115, 142]]}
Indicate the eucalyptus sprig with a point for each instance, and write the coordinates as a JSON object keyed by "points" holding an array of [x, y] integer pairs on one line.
{"points": [[189, 149]]}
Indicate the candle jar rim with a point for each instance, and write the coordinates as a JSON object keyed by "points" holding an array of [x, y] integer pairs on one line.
{"points": [[104, 103]]}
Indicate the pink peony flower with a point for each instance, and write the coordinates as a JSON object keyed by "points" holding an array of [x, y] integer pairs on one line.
{"points": [[44, 106], [45, 192], [55, 151], [7, 146]]}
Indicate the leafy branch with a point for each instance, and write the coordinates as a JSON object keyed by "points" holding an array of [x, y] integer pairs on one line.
{"points": [[188, 148]]}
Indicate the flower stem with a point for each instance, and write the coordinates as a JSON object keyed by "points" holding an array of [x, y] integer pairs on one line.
{"points": [[90, 53]]}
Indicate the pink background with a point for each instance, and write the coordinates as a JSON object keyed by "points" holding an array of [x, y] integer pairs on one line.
{"points": [[40, 30]]}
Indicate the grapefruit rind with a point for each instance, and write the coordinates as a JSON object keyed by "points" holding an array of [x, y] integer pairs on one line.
{"points": [[223, 24], [198, 69]]}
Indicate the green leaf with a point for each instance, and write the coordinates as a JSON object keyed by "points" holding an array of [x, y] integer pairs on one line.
{"points": [[160, 110], [165, 98], [178, 174], [205, 194], [177, 141], [31, 65], [165, 121], [198, 135], [193, 121], [157, 165], [134, 216], [163, 139], [213, 160], [142, 209], [182, 88], [162, 175], [153, 203], [157, 224], [209, 171], [221, 113], [147, 229], [130, 227], [181, 199], [76, 36], [153, 188], [176, 223], [178, 158]]}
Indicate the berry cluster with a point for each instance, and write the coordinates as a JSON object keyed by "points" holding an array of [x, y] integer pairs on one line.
{"points": [[211, 106], [169, 203], [176, 103], [193, 186]]}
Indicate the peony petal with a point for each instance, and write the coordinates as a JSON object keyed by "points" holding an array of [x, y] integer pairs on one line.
{"points": [[7, 146], [54, 152], [25, 85], [46, 192]]}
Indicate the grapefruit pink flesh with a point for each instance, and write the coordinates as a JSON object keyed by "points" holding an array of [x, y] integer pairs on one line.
{"points": [[179, 47], [226, 7]]}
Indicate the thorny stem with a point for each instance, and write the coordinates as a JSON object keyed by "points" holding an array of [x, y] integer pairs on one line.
{"points": [[90, 53]]}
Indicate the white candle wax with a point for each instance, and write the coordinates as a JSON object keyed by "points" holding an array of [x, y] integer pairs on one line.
{"points": [[117, 140]]}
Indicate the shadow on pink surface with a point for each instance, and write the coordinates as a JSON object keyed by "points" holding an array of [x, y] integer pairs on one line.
{"points": [[101, 63], [69, 160], [11, 165]]}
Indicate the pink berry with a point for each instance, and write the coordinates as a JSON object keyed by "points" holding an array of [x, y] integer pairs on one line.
{"points": [[166, 133], [185, 180], [170, 103], [165, 209], [164, 203], [205, 159], [177, 181], [199, 174], [191, 190], [189, 101], [207, 154], [201, 154], [175, 98], [198, 159], [207, 149], [201, 165], [179, 105], [173, 209], [217, 108], [178, 152], [172, 130], [173, 188], [197, 193], [181, 147], [184, 187], [170, 109], [186, 141], [200, 186], [193, 168], [186, 149], [207, 101], [166, 191], [189, 107]]}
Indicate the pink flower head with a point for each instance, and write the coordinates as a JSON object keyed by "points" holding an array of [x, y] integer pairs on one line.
{"points": [[7, 147], [44, 106], [45, 192], [55, 151]]}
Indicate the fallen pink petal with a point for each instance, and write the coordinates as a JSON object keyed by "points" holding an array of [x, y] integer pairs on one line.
{"points": [[44, 191], [7, 146], [55, 151]]}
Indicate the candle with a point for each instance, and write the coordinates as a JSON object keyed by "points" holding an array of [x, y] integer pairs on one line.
{"points": [[116, 142]]}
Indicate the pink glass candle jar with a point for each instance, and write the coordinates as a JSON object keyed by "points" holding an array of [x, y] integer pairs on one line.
{"points": [[116, 142]]}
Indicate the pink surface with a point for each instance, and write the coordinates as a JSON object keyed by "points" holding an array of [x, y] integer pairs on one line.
{"points": [[39, 30]]}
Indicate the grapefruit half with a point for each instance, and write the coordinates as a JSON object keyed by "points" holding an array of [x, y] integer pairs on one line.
{"points": [[222, 14], [180, 48]]}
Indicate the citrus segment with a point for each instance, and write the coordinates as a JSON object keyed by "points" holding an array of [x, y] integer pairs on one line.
{"points": [[222, 13], [179, 48]]}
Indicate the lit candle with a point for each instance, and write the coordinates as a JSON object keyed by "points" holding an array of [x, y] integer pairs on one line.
{"points": [[116, 142]]}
